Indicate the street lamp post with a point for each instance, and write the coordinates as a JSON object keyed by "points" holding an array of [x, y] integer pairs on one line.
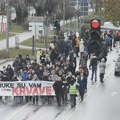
{"points": [[7, 31], [77, 8], [63, 15]]}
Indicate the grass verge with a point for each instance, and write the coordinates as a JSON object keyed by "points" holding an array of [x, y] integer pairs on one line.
{"points": [[40, 43], [3, 35], [12, 53], [15, 28]]}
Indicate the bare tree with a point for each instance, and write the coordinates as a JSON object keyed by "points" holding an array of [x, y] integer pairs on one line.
{"points": [[21, 10]]}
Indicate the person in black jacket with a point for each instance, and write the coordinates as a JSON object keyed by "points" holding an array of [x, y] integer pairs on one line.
{"points": [[103, 53], [4, 78], [10, 71], [58, 87], [16, 65]]}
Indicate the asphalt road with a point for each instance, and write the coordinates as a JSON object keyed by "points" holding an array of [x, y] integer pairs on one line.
{"points": [[101, 103]]}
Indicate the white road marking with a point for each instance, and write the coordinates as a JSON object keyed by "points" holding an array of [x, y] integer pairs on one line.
{"points": [[114, 94], [10, 117], [70, 113], [90, 92]]}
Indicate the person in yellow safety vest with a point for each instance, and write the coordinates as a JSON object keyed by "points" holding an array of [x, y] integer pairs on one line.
{"points": [[77, 45], [73, 93]]}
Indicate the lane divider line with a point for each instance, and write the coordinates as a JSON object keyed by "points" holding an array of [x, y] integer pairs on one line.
{"points": [[71, 110], [16, 112], [90, 92]]}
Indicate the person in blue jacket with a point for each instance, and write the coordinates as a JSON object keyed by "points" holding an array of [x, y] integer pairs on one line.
{"points": [[24, 75], [107, 42]]}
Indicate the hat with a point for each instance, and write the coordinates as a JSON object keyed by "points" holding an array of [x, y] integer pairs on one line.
{"points": [[103, 60]]}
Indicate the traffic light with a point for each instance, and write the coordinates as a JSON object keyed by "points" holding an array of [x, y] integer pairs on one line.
{"points": [[95, 32], [95, 28]]}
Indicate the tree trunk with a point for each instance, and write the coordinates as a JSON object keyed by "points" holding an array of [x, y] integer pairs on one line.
{"points": [[19, 16]]}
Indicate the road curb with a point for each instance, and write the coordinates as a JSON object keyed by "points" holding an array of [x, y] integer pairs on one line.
{"points": [[4, 61]]}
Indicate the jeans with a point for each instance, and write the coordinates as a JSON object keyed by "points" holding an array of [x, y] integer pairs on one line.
{"points": [[94, 71], [101, 77], [73, 100]]}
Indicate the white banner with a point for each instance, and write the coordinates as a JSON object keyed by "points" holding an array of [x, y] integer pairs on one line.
{"points": [[26, 88]]}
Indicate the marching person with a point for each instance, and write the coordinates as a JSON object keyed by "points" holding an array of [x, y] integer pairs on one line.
{"points": [[58, 87], [38, 54], [86, 74], [103, 53], [77, 46], [73, 92], [35, 98], [93, 65], [107, 42], [81, 48], [102, 66], [82, 82]]}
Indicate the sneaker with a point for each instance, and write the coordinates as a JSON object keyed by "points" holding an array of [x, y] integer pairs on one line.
{"points": [[59, 105], [102, 81], [81, 100]]}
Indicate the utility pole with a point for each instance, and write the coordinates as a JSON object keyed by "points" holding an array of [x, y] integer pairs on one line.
{"points": [[7, 32], [46, 31], [77, 8], [64, 15], [80, 15], [83, 11]]}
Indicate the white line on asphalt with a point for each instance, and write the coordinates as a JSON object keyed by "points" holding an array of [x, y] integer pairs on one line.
{"points": [[67, 115], [10, 117], [90, 92]]}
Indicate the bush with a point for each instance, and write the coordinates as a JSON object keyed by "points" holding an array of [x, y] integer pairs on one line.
{"points": [[26, 24], [4, 54]]}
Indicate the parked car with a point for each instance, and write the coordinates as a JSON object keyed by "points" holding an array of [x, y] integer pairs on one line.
{"points": [[117, 66]]}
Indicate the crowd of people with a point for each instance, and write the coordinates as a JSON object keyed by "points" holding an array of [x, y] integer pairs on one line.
{"points": [[60, 68]]}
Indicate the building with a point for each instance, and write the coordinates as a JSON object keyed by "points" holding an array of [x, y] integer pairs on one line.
{"points": [[83, 6]]}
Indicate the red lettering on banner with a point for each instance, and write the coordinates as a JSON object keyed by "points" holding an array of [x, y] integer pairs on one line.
{"points": [[42, 90], [15, 91], [28, 91], [22, 91], [48, 90], [35, 91]]}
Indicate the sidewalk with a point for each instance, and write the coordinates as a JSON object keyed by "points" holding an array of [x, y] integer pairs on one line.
{"points": [[22, 37], [29, 47]]}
